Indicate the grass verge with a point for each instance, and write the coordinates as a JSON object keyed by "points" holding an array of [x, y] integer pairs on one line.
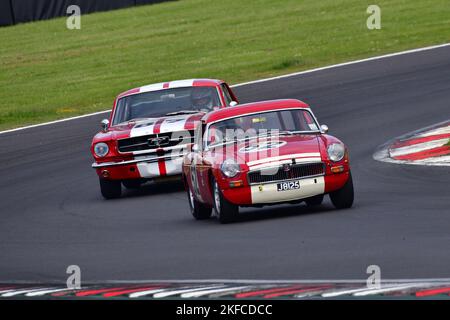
{"points": [[48, 72]]}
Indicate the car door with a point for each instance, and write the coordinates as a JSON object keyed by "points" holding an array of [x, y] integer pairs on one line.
{"points": [[203, 167]]}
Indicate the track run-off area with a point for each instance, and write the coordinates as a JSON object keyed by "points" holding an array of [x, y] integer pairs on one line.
{"points": [[53, 215]]}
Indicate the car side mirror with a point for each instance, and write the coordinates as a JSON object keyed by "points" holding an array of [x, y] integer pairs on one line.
{"points": [[233, 103], [324, 128], [104, 124], [195, 148]]}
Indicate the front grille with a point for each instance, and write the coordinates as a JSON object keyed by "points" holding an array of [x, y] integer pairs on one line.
{"points": [[296, 171], [156, 141]]}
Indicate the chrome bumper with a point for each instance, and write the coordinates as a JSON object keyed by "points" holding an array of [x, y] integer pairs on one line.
{"points": [[96, 165]]}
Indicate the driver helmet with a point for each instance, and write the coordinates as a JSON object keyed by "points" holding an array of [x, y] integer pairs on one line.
{"points": [[201, 98]]}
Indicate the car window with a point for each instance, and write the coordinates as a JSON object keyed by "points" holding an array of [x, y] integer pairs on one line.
{"points": [[166, 102], [299, 120], [226, 94]]}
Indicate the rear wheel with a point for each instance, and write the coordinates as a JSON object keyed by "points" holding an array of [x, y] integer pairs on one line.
{"points": [[225, 210], [343, 198], [132, 184], [314, 201], [110, 189], [198, 210]]}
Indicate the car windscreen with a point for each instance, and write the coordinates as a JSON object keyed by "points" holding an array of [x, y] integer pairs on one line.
{"points": [[272, 122], [166, 102]]}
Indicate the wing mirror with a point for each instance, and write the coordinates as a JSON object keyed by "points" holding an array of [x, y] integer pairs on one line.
{"points": [[104, 124], [195, 148], [233, 103], [324, 128]]}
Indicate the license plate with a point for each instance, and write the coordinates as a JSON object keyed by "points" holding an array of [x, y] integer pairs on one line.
{"points": [[289, 185]]}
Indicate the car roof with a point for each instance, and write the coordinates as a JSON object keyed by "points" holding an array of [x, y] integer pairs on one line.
{"points": [[253, 107], [172, 84]]}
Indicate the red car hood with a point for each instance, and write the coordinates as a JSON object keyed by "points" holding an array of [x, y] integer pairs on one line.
{"points": [[256, 152], [155, 125]]}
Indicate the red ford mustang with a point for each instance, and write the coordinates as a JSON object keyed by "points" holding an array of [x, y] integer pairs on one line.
{"points": [[264, 153], [149, 130]]}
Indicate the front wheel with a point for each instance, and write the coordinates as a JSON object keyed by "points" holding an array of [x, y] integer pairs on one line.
{"points": [[110, 189], [225, 210], [343, 198], [198, 210]]}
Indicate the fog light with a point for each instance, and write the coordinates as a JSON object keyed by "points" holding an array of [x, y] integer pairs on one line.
{"points": [[337, 169], [235, 184], [105, 174]]}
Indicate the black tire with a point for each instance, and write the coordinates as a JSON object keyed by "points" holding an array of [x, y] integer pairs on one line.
{"points": [[111, 189], [198, 210], [314, 201], [343, 198], [226, 211], [132, 184]]}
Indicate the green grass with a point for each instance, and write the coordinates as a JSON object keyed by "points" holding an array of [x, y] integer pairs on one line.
{"points": [[48, 72]]}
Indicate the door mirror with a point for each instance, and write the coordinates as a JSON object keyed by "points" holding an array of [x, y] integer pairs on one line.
{"points": [[195, 148], [104, 124], [233, 103], [324, 128]]}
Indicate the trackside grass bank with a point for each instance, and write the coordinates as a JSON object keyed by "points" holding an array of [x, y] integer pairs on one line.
{"points": [[48, 72]]}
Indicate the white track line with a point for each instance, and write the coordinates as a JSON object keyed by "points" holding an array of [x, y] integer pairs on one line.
{"points": [[257, 81]]}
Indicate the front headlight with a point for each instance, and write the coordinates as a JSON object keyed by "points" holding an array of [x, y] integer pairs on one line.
{"points": [[336, 152], [230, 168], [101, 149]]}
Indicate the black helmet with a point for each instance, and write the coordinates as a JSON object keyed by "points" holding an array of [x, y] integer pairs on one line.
{"points": [[201, 97]]}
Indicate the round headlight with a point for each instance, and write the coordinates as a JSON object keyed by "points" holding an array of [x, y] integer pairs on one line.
{"points": [[230, 168], [336, 152], [101, 149]]}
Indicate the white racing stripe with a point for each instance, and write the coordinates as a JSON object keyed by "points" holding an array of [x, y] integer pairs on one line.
{"points": [[174, 124], [198, 294], [182, 291], [284, 157], [181, 83], [152, 87], [279, 163], [255, 81], [148, 170], [417, 147], [143, 128]]}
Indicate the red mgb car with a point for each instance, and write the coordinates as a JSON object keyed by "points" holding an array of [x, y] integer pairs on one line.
{"points": [[149, 130], [264, 153]]}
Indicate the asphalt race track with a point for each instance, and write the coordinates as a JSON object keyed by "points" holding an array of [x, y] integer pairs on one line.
{"points": [[52, 213]]}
